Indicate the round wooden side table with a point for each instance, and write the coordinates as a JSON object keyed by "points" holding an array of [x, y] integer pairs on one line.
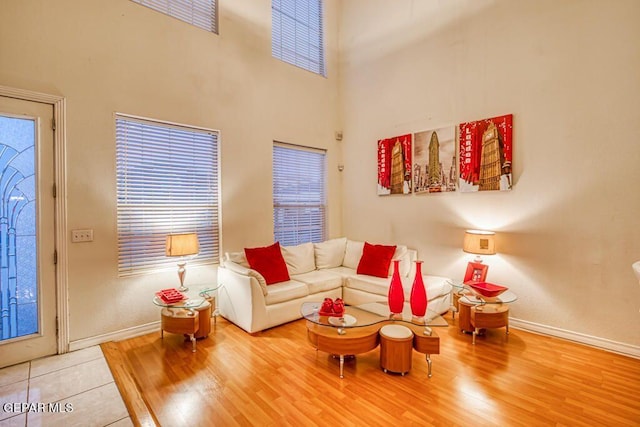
{"points": [[488, 317], [204, 320], [476, 313], [180, 321]]}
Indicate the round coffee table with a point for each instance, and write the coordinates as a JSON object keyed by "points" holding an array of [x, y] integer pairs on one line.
{"points": [[357, 331]]}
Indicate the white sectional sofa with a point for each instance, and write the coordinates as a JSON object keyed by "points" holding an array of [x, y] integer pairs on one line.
{"points": [[317, 271]]}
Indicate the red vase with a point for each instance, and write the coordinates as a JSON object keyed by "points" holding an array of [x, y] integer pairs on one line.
{"points": [[418, 299], [396, 293]]}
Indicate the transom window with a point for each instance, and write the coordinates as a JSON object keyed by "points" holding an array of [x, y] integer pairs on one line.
{"points": [[167, 183], [299, 200], [296, 33], [201, 13]]}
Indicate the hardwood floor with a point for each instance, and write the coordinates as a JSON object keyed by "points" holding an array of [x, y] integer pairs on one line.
{"points": [[276, 378]]}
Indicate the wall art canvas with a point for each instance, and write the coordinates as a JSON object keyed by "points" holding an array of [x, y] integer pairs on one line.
{"points": [[394, 165], [435, 166], [486, 148]]}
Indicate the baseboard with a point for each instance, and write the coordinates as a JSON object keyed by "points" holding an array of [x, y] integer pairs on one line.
{"points": [[605, 344], [120, 335]]}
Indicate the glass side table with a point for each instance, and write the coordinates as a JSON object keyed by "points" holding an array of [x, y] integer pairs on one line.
{"points": [[477, 313], [190, 316]]}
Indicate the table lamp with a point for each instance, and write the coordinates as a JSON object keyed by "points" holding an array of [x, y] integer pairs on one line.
{"points": [[182, 245], [479, 242]]}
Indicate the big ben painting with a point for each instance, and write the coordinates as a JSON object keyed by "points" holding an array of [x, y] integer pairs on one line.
{"points": [[486, 148], [394, 165]]}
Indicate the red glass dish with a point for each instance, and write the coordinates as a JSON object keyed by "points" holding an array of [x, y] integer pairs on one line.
{"points": [[487, 289]]}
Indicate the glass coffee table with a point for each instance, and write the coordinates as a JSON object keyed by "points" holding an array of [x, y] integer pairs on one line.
{"points": [[357, 330]]}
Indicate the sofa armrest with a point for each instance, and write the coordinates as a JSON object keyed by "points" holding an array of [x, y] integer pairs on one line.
{"points": [[244, 271], [240, 299]]}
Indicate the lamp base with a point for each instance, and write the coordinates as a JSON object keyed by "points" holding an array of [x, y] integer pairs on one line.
{"points": [[182, 271]]}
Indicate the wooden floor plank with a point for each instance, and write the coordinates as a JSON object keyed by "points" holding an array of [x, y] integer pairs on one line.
{"points": [[276, 378]]}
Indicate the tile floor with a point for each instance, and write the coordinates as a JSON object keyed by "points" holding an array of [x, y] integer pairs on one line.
{"points": [[73, 389]]}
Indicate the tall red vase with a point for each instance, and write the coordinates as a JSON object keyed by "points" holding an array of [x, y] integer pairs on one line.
{"points": [[396, 293], [418, 298]]}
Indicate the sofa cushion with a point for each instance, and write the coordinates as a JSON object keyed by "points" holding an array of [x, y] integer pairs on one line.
{"points": [[299, 259], [434, 285], [375, 260], [352, 254], [269, 262], [320, 280], [330, 253], [285, 291]]}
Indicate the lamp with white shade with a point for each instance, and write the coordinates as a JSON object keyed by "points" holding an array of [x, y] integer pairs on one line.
{"points": [[182, 246]]}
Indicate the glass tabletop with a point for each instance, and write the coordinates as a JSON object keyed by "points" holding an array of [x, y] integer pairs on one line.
{"points": [[196, 296], [368, 314]]}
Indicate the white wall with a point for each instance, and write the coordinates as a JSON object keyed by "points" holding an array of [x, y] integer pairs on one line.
{"points": [[569, 73], [117, 56]]}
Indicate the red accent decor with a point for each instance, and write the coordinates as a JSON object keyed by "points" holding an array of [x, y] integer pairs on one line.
{"points": [[418, 298], [487, 289], [396, 293], [170, 296], [331, 308], [269, 262], [375, 260]]}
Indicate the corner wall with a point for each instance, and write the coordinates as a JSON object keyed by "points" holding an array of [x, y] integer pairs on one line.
{"points": [[568, 71]]}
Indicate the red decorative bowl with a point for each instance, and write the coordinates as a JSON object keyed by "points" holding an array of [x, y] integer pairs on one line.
{"points": [[487, 289]]}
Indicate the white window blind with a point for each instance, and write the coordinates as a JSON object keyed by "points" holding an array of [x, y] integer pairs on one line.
{"points": [[167, 182], [299, 202], [296, 33], [201, 13]]}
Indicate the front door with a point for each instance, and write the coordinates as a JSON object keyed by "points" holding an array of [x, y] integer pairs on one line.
{"points": [[27, 232]]}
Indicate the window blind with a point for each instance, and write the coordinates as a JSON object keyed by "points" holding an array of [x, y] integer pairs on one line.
{"points": [[167, 182], [296, 33], [299, 200], [201, 13]]}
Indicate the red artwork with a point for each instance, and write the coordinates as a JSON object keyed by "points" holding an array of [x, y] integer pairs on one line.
{"points": [[486, 148], [394, 165]]}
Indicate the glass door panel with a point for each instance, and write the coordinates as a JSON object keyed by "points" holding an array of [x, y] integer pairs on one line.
{"points": [[27, 269]]}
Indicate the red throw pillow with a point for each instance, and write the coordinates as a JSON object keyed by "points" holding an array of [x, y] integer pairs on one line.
{"points": [[375, 260], [269, 262]]}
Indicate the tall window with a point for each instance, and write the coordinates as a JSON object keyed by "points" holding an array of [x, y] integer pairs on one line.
{"points": [[296, 33], [299, 205], [201, 13], [167, 182]]}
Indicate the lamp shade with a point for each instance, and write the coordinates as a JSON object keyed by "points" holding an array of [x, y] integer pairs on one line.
{"points": [[479, 242], [182, 244]]}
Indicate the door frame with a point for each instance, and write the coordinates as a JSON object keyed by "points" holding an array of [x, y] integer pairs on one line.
{"points": [[59, 104]]}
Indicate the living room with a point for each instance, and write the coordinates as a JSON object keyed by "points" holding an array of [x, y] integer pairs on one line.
{"points": [[567, 232]]}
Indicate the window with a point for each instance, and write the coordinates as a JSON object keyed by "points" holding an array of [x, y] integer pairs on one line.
{"points": [[296, 33], [299, 206], [201, 13], [167, 182]]}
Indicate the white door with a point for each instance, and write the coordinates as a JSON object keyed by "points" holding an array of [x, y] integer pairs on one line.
{"points": [[27, 232]]}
